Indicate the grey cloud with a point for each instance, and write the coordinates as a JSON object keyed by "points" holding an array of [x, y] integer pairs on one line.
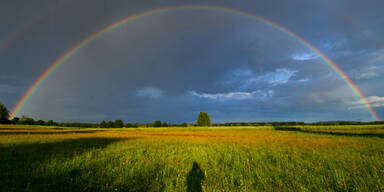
{"points": [[224, 58]]}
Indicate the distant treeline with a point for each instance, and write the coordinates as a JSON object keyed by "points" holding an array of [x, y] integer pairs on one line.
{"points": [[298, 123], [24, 120], [347, 123], [202, 120]]}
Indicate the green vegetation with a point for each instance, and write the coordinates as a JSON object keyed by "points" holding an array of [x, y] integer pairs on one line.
{"points": [[269, 158], [132, 125], [203, 119], [157, 124], [118, 124], [4, 114]]}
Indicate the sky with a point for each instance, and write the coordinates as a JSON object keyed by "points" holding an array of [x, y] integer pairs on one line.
{"points": [[174, 64]]}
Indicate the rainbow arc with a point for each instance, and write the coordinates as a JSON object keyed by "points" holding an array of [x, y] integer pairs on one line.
{"points": [[53, 67]]}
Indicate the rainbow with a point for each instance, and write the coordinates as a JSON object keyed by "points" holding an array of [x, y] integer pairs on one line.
{"points": [[125, 20], [7, 42], [364, 30], [12, 37]]}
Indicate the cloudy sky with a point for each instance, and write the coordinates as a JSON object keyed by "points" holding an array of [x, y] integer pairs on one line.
{"points": [[174, 64]]}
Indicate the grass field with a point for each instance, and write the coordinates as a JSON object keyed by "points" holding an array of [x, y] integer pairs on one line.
{"points": [[307, 158]]}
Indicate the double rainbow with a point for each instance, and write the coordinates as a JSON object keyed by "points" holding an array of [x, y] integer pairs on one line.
{"points": [[15, 35], [33, 88]]}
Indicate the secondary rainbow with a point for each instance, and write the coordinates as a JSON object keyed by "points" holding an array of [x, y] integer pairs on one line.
{"points": [[15, 35], [7, 42], [113, 26]]}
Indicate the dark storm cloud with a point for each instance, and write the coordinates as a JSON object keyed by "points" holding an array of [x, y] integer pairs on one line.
{"points": [[175, 64]]}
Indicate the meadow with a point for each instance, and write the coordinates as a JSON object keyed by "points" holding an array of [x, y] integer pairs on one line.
{"points": [[295, 158]]}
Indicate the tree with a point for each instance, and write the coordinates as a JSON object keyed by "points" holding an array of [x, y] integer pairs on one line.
{"points": [[40, 122], [15, 120], [51, 123], [27, 120], [4, 114], [103, 124], [203, 119], [128, 125], [118, 123], [164, 124], [110, 124], [157, 124], [132, 125]]}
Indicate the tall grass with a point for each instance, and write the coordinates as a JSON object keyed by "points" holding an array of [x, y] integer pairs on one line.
{"points": [[44, 159]]}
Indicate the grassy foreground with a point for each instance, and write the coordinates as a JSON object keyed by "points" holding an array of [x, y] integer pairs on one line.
{"points": [[189, 159]]}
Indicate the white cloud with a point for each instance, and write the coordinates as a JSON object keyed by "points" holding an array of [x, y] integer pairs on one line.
{"points": [[368, 73], [235, 95], [377, 56], [239, 75], [280, 76], [247, 79], [151, 92], [304, 56], [375, 101], [304, 80]]}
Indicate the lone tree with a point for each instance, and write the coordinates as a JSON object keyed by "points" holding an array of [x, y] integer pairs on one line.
{"points": [[203, 119], [4, 114]]}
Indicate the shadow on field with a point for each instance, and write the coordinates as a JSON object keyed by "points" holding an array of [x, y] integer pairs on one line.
{"points": [[195, 178], [43, 132], [12, 129], [286, 128], [25, 167], [296, 129]]}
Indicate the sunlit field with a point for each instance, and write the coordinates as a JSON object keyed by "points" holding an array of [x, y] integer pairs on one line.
{"points": [[307, 158]]}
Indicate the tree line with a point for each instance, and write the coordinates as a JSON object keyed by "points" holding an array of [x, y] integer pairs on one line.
{"points": [[203, 119]]}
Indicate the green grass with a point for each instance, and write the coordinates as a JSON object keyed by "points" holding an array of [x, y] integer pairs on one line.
{"points": [[191, 159]]}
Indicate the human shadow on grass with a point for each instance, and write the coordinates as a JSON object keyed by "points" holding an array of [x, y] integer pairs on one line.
{"points": [[25, 167], [296, 129], [195, 178], [44, 132]]}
